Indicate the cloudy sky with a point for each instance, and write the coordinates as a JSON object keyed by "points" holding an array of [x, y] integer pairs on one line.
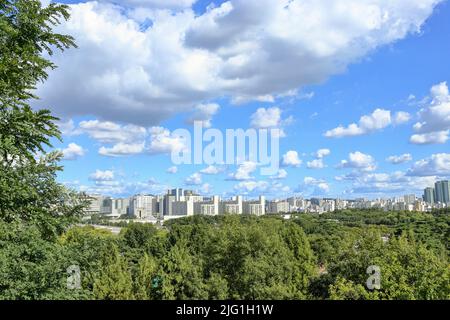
{"points": [[358, 88]]}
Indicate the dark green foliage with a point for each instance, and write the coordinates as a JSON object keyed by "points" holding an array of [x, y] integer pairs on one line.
{"points": [[26, 33], [29, 192]]}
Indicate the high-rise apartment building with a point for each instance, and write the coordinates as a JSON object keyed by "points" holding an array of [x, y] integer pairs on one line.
{"points": [[429, 196], [442, 191], [143, 206]]}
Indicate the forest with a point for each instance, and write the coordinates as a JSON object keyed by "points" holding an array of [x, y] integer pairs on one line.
{"points": [[46, 254], [234, 257]]}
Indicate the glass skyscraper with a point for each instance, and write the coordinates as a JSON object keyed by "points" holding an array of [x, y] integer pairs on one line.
{"points": [[429, 196], [442, 191]]}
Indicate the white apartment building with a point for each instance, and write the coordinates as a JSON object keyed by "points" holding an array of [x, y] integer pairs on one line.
{"points": [[278, 206], [209, 207], [184, 207], [233, 206], [257, 208], [144, 206]]}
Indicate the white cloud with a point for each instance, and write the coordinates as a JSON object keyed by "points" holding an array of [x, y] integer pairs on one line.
{"points": [[45, 3], [290, 159], [110, 132], [67, 128], [242, 48], [122, 149], [257, 188], [437, 137], [314, 186], [156, 4], [321, 153], [401, 117], [434, 120], [282, 174], [73, 151], [386, 183], [194, 179], [172, 170], [244, 171], [211, 170], [162, 141], [270, 118], [204, 113], [360, 161], [378, 120], [436, 165], [399, 159], [131, 139], [315, 164], [99, 175], [245, 187]]}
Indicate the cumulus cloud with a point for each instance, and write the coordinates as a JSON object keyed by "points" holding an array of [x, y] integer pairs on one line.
{"points": [[244, 171], [437, 137], [321, 153], [67, 128], [291, 159], [401, 117], [247, 49], [318, 162], [314, 186], [434, 120], [211, 170], [315, 164], [155, 4], [436, 165], [386, 183], [204, 113], [256, 188], [162, 141], [122, 149], [111, 132], [125, 140], [172, 170], [99, 175], [378, 120], [73, 152], [399, 159], [268, 118], [251, 186], [194, 179], [281, 174], [360, 161]]}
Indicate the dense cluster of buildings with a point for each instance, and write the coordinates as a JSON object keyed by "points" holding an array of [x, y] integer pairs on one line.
{"points": [[440, 194], [176, 203], [181, 203]]}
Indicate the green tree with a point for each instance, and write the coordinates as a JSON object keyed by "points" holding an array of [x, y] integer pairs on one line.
{"points": [[28, 189], [114, 281]]}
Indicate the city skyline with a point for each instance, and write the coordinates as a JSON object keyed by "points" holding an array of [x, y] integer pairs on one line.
{"points": [[176, 203], [363, 111]]}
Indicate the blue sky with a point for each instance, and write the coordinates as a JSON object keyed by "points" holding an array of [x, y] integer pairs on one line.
{"points": [[234, 60]]}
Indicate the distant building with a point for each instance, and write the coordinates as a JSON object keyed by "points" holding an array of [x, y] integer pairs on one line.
{"points": [[442, 191], [209, 207], [409, 199], [143, 206], [233, 206], [429, 195], [278, 206], [257, 208], [95, 203]]}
